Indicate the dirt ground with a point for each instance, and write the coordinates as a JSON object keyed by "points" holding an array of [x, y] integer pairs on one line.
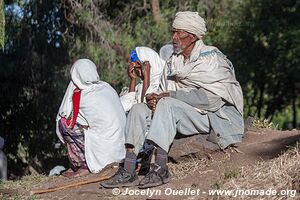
{"points": [[194, 173]]}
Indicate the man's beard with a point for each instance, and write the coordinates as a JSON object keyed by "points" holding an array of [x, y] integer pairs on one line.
{"points": [[178, 50]]}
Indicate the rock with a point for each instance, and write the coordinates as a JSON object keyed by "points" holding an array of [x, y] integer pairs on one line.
{"points": [[190, 145], [249, 125]]}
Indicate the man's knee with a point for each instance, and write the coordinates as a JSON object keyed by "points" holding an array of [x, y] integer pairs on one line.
{"points": [[139, 108], [166, 102]]}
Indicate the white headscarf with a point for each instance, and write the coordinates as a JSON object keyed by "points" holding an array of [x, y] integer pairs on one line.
{"points": [[190, 22], [156, 69], [84, 74], [156, 63], [101, 110]]}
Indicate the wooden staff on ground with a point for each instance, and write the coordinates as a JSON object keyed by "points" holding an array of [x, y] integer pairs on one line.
{"points": [[41, 191]]}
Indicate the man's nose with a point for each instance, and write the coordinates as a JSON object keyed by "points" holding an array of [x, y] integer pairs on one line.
{"points": [[174, 36]]}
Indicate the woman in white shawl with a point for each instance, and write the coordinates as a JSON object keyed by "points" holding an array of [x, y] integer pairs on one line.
{"points": [[90, 121], [148, 66]]}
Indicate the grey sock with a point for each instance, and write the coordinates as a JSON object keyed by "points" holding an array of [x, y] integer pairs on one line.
{"points": [[161, 157], [130, 162]]}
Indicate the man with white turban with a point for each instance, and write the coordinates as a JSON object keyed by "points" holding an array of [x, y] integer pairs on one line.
{"points": [[199, 94]]}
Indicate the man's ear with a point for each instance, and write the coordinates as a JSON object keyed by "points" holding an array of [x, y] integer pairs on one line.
{"points": [[194, 38]]}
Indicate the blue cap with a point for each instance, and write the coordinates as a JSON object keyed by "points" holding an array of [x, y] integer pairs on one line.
{"points": [[133, 56]]}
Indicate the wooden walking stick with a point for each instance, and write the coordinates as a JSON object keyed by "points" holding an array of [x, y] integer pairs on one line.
{"points": [[41, 191]]}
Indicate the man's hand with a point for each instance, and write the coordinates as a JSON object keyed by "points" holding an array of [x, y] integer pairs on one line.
{"points": [[152, 99], [131, 71]]}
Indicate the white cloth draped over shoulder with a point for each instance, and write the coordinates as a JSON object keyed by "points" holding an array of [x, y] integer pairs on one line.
{"points": [[100, 109], [156, 68], [207, 68]]}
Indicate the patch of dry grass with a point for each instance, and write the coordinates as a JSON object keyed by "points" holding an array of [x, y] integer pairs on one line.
{"points": [[187, 167], [15, 190], [282, 173], [263, 123], [26, 182]]}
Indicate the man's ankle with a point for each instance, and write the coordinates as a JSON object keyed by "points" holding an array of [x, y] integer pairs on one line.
{"points": [[161, 157], [130, 162]]}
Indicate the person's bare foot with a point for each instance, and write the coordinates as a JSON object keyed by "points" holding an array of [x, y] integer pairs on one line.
{"points": [[78, 173], [68, 172], [81, 172]]}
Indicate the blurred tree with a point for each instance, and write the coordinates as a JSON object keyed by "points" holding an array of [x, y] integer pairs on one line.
{"points": [[266, 48], [2, 24], [29, 66], [156, 10]]}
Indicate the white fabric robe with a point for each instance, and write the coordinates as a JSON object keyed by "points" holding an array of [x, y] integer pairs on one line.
{"points": [[101, 110]]}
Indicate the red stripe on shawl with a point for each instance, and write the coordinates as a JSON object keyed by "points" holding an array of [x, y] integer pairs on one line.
{"points": [[76, 102]]}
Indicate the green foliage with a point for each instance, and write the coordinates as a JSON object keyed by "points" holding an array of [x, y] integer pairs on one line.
{"points": [[267, 53], [32, 85], [284, 118], [2, 24]]}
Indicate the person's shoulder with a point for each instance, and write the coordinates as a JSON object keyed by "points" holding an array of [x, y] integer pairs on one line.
{"points": [[103, 86], [208, 50], [211, 52]]}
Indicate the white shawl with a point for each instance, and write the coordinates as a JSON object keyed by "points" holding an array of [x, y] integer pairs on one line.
{"points": [[101, 110], [156, 68], [207, 68]]}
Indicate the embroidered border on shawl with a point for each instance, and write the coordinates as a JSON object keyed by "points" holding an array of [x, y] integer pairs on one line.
{"points": [[219, 53]]}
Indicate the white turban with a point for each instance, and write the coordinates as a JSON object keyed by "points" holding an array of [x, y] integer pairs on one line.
{"points": [[190, 22]]}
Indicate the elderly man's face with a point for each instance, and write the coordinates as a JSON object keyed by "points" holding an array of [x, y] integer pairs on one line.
{"points": [[181, 40]]}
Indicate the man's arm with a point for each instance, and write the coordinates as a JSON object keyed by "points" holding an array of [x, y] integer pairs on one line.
{"points": [[132, 76], [146, 75], [199, 98], [195, 97]]}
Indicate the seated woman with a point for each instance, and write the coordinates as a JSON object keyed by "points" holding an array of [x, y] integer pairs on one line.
{"points": [[90, 121], [148, 66]]}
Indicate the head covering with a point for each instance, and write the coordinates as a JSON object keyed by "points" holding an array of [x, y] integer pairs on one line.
{"points": [[156, 63], [133, 56], [166, 52], [100, 109], [84, 73], [190, 22]]}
